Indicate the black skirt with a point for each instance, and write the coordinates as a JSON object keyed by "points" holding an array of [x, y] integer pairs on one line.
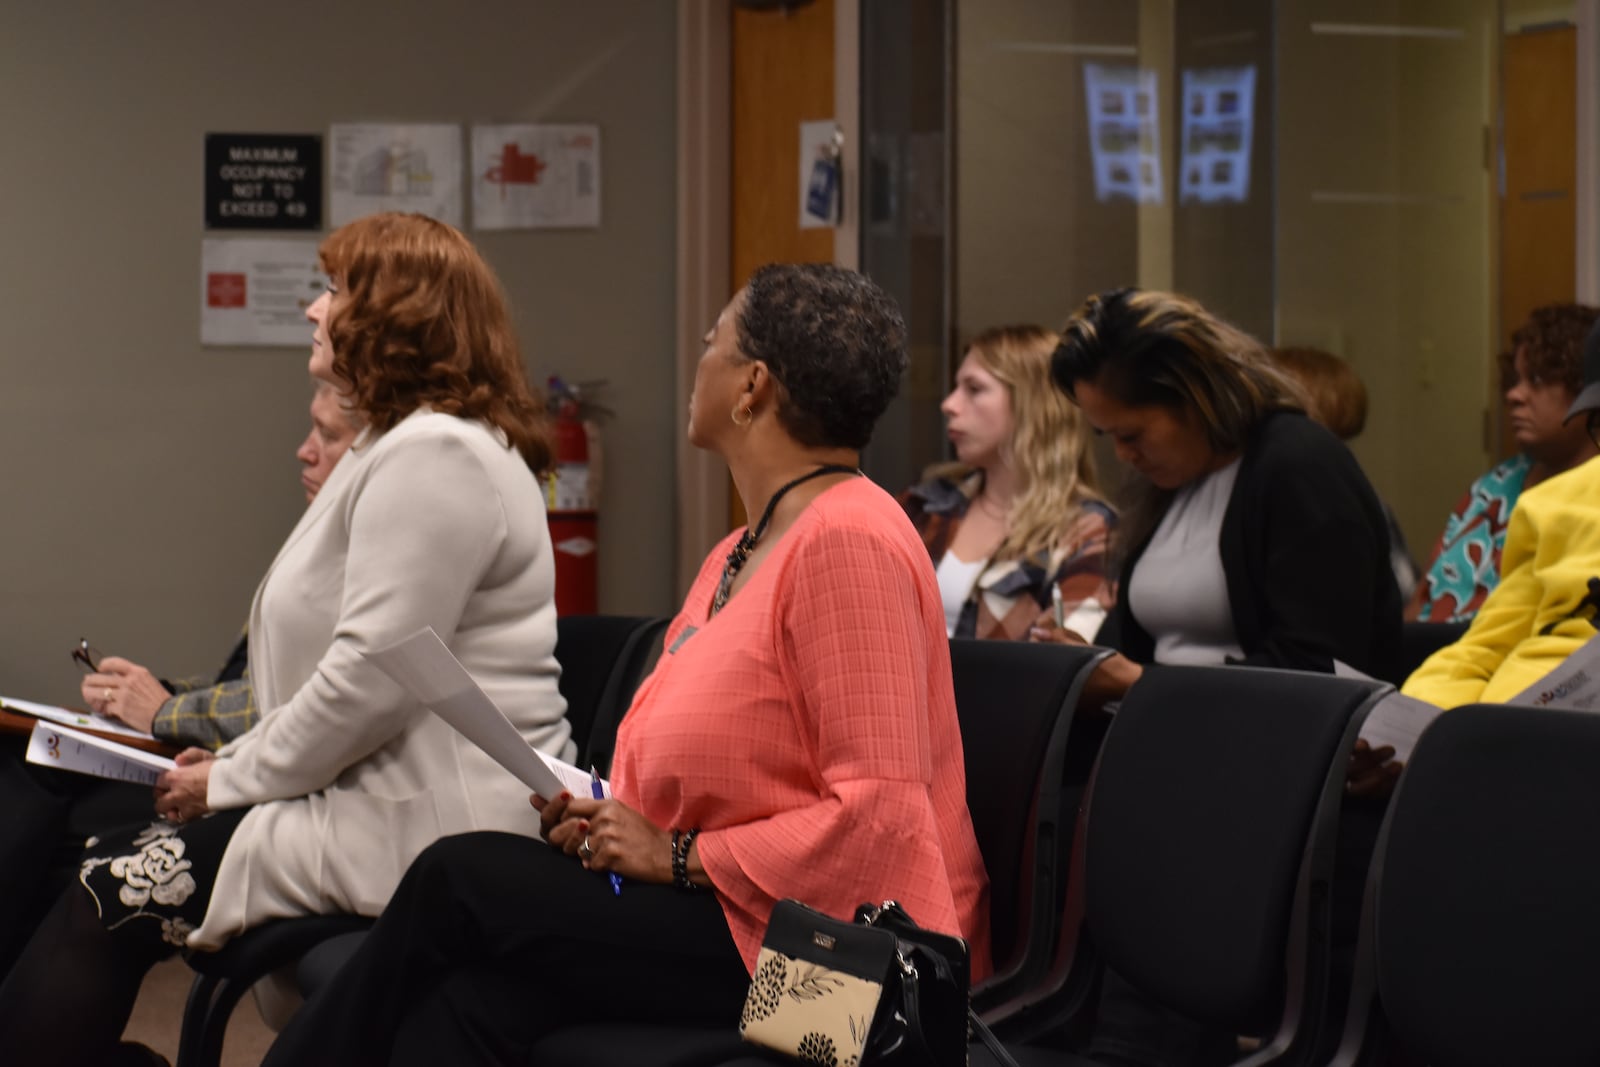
{"points": [[153, 881]]}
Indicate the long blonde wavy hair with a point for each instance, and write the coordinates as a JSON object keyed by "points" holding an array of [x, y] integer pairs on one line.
{"points": [[1049, 447]]}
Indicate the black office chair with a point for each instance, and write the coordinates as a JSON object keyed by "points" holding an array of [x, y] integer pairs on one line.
{"points": [[589, 647], [602, 658], [1208, 853], [1016, 705], [1480, 944], [1016, 702], [1419, 640], [634, 662]]}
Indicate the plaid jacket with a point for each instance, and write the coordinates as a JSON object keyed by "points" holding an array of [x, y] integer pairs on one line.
{"points": [[209, 712], [1010, 594]]}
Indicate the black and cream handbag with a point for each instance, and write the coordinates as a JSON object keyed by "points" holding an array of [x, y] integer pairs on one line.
{"points": [[880, 990]]}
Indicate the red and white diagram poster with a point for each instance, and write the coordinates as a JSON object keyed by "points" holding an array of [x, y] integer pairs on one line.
{"points": [[256, 291], [528, 177]]}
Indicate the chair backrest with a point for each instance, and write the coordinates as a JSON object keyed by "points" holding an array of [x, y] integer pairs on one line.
{"points": [[1481, 923], [1210, 838], [1015, 703], [636, 661], [588, 647], [1419, 640]]}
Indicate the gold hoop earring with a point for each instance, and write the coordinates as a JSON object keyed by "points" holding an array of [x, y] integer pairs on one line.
{"points": [[749, 415]]}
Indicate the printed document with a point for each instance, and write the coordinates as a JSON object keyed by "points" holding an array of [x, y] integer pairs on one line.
{"points": [[1399, 720], [65, 748], [1575, 684], [86, 720], [425, 667]]}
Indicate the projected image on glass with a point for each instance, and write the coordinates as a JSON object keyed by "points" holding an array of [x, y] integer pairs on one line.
{"points": [[1122, 132], [1218, 109]]}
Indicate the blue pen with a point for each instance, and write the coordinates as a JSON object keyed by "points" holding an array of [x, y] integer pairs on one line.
{"points": [[599, 791]]}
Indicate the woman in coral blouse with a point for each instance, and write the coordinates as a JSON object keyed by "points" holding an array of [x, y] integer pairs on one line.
{"points": [[798, 739]]}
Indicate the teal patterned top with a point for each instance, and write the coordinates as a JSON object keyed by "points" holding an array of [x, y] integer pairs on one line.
{"points": [[1466, 562]]}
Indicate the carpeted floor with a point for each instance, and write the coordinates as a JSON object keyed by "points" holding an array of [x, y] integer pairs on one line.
{"points": [[160, 1010]]}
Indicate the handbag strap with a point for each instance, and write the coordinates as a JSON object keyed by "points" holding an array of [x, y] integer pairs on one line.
{"points": [[985, 1034]]}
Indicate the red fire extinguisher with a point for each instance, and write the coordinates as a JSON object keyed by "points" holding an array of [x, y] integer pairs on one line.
{"points": [[574, 524]]}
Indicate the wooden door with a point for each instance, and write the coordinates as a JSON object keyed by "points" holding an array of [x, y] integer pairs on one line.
{"points": [[782, 76], [1538, 213]]}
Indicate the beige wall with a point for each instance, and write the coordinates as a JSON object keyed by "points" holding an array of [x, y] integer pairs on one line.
{"points": [[1031, 239], [1401, 283], [148, 481]]}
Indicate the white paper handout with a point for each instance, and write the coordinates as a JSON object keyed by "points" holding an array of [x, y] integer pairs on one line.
{"points": [[1398, 720], [86, 720], [65, 748], [1575, 684], [424, 667]]}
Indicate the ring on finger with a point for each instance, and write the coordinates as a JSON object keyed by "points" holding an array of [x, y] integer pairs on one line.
{"points": [[108, 694], [588, 852]]}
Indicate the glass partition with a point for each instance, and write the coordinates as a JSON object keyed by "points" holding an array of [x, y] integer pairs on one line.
{"points": [[1317, 171]]}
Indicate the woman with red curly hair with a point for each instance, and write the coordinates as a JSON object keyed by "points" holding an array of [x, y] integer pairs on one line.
{"points": [[434, 518]]}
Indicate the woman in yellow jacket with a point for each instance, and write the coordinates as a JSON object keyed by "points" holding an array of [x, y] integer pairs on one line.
{"points": [[1546, 604]]}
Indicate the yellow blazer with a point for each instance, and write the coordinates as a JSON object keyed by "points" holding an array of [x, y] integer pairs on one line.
{"points": [[1542, 610]]}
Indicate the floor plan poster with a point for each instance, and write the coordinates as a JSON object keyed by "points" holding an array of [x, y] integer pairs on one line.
{"points": [[394, 167], [1218, 109], [255, 291], [1123, 134], [527, 177]]}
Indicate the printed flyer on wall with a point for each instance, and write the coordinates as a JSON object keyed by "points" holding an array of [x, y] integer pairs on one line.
{"points": [[394, 167], [535, 177]]}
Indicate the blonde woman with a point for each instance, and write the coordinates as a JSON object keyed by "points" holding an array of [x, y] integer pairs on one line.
{"points": [[1017, 524]]}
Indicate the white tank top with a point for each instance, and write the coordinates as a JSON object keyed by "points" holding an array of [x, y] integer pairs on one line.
{"points": [[956, 577]]}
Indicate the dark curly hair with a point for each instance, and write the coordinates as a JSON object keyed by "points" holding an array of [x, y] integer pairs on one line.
{"points": [[835, 342], [1552, 345], [424, 321]]}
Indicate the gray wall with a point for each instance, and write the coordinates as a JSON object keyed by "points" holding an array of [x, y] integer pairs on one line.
{"points": [[147, 482]]}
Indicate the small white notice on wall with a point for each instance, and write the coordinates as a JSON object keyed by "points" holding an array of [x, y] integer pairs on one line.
{"points": [[528, 177], [394, 167], [820, 143], [256, 291]]}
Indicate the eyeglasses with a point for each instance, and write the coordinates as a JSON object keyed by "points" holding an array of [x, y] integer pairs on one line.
{"points": [[86, 657]]}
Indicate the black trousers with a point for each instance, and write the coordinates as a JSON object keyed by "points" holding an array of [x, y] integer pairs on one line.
{"points": [[45, 817], [494, 940]]}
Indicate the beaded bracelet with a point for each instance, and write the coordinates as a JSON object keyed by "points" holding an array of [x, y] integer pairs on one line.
{"points": [[681, 840]]}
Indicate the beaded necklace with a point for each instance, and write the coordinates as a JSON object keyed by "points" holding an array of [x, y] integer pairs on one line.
{"points": [[752, 534]]}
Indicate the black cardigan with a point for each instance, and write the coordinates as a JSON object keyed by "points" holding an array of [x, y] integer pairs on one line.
{"points": [[1305, 551]]}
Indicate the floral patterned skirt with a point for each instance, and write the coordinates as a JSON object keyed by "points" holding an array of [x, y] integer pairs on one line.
{"points": [[154, 881]]}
